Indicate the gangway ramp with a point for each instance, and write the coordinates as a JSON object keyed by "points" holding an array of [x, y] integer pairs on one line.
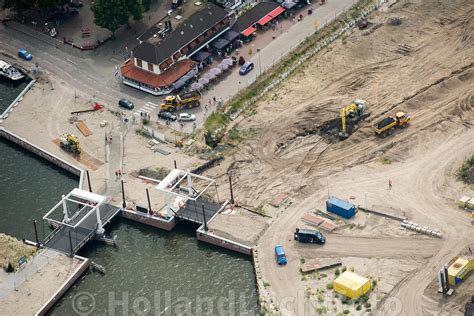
{"points": [[192, 211]]}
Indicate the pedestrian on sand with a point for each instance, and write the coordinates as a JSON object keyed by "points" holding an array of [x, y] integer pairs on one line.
{"points": [[111, 139], [389, 184], [116, 175]]}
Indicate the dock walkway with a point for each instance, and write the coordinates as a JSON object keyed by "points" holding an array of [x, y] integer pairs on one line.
{"points": [[59, 238], [192, 211]]}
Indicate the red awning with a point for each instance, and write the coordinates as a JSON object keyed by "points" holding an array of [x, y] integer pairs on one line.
{"points": [[276, 12], [249, 31], [264, 20]]}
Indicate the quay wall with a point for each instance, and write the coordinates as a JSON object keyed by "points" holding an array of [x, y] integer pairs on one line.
{"points": [[22, 142], [65, 286], [14, 103], [149, 220]]}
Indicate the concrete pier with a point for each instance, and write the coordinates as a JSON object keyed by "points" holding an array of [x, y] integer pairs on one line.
{"points": [[40, 283]]}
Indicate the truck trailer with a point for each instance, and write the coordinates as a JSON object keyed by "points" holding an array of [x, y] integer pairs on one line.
{"points": [[386, 126]]}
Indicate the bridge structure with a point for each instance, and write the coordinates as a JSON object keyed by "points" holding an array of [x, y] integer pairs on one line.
{"points": [[186, 196], [79, 217]]}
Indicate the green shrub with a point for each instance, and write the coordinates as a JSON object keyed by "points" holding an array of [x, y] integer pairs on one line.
{"points": [[215, 121], [329, 286], [346, 311], [337, 272], [466, 172], [320, 298]]}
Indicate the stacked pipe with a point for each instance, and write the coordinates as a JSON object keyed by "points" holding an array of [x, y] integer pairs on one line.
{"points": [[443, 280], [421, 229]]}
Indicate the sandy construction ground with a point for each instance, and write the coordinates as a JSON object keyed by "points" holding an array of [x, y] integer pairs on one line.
{"points": [[424, 67], [44, 114]]}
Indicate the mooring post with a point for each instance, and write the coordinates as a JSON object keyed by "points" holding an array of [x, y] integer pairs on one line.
{"points": [[70, 244], [149, 203], [36, 233], [89, 180], [231, 191], [175, 165], [124, 205], [205, 221]]}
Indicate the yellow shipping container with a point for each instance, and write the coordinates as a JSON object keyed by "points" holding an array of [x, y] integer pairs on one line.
{"points": [[458, 270], [352, 285]]}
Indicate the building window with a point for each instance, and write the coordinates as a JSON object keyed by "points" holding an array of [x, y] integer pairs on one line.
{"points": [[150, 67], [139, 63]]}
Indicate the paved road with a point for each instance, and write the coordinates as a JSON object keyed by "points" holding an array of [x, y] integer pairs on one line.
{"points": [[93, 73]]}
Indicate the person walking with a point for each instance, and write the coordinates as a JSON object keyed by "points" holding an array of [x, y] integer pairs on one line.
{"points": [[389, 184]]}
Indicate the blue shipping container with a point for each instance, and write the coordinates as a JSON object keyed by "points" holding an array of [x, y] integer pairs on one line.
{"points": [[340, 207]]}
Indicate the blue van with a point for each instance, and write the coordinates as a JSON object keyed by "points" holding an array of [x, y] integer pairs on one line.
{"points": [[309, 236], [280, 256], [24, 54]]}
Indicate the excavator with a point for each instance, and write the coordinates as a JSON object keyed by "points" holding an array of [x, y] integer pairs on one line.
{"points": [[70, 143], [354, 112]]}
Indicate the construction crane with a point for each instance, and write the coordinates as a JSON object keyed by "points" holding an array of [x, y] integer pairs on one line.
{"points": [[70, 143], [355, 112]]}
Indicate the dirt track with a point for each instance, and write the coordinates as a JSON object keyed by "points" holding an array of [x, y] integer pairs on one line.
{"points": [[424, 67]]}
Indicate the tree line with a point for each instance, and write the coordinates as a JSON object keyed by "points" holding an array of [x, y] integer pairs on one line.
{"points": [[109, 14]]}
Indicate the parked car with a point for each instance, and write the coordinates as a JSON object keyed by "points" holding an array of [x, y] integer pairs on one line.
{"points": [[246, 68], [126, 104], [24, 54], [280, 256], [186, 117], [309, 236], [167, 116], [176, 3]]}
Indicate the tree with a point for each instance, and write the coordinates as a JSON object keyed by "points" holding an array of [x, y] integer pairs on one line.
{"points": [[110, 14], [47, 5], [146, 5], [135, 9], [19, 6]]}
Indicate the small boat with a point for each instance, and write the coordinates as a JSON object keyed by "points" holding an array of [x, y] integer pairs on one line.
{"points": [[10, 72]]}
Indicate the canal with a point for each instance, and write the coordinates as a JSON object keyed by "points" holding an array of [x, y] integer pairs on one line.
{"points": [[9, 90], [167, 273]]}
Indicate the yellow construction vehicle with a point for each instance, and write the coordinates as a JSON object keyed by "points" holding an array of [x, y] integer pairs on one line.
{"points": [[354, 113], [386, 126], [188, 100], [70, 143]]}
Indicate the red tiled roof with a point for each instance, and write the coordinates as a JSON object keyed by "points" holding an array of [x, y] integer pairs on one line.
{"points": [[249, 31], [165, 79]]}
